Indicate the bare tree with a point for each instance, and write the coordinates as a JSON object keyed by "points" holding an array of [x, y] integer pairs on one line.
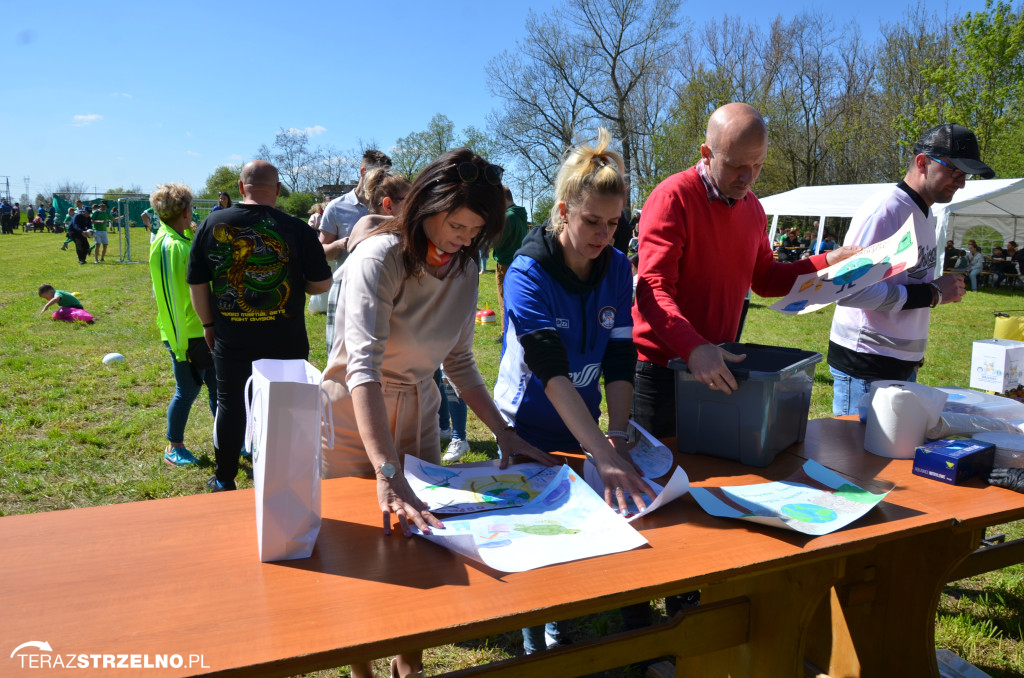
{"points": [[727, 60], [71, 190], [606, 62], [541, 111], [330, 166], [919, 38], [292, 157]]}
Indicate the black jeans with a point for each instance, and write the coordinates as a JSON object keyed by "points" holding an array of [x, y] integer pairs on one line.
{"points": [[81, 246], [654, 399], [654, 408], [229, 423]]}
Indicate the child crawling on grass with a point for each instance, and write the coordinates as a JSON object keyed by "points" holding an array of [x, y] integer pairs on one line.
{"points": [[70, 306]]}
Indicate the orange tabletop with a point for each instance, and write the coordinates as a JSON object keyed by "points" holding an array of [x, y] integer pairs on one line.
{"points": [[179, 580]]}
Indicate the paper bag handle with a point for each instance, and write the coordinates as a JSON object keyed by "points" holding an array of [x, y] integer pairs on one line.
{"points": [[250, 405], [328, 417]]}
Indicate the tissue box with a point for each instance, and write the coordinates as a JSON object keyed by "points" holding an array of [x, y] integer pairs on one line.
{"points": [[997, 365], [953, 460]]}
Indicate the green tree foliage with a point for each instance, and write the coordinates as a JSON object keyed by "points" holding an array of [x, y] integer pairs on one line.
{"points": [[981, 84], [414, 151], [224, 178], [297, 204], [542, 209], [112, 194]]}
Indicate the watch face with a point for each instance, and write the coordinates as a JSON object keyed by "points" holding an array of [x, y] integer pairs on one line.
{"points": [[387, 469]]}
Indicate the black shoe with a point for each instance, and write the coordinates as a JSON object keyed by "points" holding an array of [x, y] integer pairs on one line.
{"points": [[214, 485]]}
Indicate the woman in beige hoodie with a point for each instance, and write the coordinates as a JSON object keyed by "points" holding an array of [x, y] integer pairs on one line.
{"points": [[407, 304]]}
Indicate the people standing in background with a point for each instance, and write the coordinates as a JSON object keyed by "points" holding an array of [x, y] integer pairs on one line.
{"points": [[223, 201], [100, 222], [505, 251], [181, 331], [151, 221], [340, 216], [249, 269], [5, 216], [80, 224], [315, 214]]}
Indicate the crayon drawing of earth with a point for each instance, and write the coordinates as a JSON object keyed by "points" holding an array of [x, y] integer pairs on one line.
{"points": [[809, 513]]}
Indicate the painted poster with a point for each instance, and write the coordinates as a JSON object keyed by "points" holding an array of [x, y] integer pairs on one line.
{"points": [[677, 486], [871, 265], [567, 521], [469, 488], [650, 454], [814, 500]]}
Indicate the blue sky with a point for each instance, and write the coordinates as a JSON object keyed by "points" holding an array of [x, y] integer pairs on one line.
{"points": [[118, 93]]}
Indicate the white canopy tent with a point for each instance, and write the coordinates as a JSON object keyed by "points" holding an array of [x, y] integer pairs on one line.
{"points": [[997, 203]]}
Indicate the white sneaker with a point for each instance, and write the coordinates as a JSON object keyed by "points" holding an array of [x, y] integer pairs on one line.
{"points": [[456, 449], [446, 434]]}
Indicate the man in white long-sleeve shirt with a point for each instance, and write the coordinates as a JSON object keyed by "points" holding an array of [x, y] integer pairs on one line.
{"points": [[882, 331]]}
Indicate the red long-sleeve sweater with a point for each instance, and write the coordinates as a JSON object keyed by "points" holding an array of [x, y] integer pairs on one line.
{"points": [[698, 258]]}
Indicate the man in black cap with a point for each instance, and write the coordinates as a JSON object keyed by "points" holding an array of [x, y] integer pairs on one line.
{"points": [[881, 332]]}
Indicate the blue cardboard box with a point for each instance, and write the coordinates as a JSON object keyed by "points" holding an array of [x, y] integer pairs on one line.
{"points": [[953, 460]]}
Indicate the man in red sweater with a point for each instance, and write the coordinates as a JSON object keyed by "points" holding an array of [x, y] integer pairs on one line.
{"points": [[703, 244]]}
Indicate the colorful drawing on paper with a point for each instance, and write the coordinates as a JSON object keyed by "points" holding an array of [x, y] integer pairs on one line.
{"points": [[813, 501], [566, 521], [653, 458], [457, 489], [873, 264], [678, 484]]}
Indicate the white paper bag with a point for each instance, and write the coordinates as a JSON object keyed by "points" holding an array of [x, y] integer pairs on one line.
{"points": [[285, 410]]}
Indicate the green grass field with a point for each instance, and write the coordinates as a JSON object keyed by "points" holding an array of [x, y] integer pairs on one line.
{"points": [[75, 432]]}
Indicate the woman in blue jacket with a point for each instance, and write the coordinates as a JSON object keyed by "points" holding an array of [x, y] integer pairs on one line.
{"points": [[567, 322]]}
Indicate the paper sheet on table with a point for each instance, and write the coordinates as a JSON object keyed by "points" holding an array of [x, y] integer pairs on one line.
{"points": [[566, 522], [677, 486], [814, 500], [871, 265], [467, 489], [653, 458]]}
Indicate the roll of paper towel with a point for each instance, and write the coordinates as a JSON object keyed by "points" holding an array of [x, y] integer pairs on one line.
{"points": [[899, 413]]}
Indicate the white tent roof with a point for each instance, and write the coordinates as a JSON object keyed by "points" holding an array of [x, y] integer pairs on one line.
{"points": [[997, 202]]}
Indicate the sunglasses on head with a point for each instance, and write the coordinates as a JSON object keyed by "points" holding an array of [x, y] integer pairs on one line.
{"points": [[470, 172]]}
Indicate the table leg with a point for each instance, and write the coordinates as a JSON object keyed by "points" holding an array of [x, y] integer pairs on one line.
{"points": [[883, 613], [782, 608]]}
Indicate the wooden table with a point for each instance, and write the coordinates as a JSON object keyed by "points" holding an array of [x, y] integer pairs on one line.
{"points": [[181, 577]]}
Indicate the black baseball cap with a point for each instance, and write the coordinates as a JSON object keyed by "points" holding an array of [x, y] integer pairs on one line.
{"points": [[958, 144]]}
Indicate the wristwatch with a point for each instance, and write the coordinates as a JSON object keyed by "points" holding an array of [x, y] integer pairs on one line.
{"points": [[387, 469]]}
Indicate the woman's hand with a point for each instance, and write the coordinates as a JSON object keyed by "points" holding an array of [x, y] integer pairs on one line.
{"points": [[620, 476], [511, 445], [395, 496]]}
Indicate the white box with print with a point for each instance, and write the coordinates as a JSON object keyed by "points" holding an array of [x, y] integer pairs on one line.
{"points": [[997, 365]]}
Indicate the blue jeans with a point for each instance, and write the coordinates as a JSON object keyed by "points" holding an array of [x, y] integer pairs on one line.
{"points": [[457, 410], [974, 279], [534, 640], [847, 391], [186, 389]]}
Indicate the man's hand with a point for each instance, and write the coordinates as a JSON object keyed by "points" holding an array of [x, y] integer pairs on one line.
{"points": [[707, 364], [840, 253], [952, 287]]}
